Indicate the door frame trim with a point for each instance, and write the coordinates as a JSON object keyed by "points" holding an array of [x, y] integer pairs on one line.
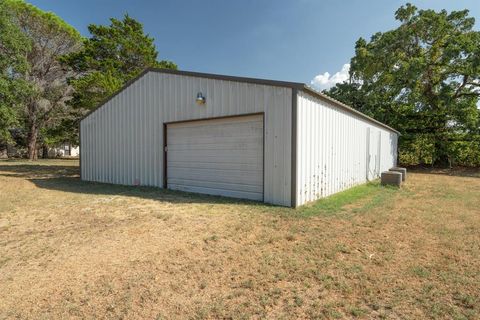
{"points": [[165, 150]]}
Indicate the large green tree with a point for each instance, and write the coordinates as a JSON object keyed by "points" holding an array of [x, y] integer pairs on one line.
{"points": [[424, 79], [13, 89], [48, 38], [112, 55]]}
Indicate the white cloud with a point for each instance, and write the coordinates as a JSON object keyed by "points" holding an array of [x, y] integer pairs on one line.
{"points": [[326, 81]]}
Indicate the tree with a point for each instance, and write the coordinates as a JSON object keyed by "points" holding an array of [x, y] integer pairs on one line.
{"points": [[112, 55], [422, 78], [13, 48], [49, 38]]}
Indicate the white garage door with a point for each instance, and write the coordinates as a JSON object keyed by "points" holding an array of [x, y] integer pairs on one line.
{"points": [[219, 156]]}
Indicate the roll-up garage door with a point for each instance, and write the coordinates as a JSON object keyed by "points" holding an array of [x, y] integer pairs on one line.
{"points": [[218, 156]]}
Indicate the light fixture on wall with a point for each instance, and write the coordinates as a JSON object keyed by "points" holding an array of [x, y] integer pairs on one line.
{"points": [[201, 99]]}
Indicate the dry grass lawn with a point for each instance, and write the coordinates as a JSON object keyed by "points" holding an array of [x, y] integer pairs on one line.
{"points": [[78, 250]]}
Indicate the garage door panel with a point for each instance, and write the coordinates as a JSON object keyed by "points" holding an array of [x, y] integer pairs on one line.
{"points": [[216, 136], [229, 176], [224, 155], [218, 122], [234, 161], [218, 185], [254, 166], [233, 130], [218, 192], [219, 156], [210, 144]]}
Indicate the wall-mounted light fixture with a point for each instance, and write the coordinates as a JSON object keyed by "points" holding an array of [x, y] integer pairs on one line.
{"points": [[200, 99]]}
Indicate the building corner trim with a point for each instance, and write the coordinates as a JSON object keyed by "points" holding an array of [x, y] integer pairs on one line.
{"points": [[293, 173]]}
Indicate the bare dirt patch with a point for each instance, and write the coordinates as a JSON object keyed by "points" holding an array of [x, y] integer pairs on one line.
{"points": [[72, 249]]}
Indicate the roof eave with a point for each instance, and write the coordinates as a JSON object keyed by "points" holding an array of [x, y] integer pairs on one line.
{"points": [[323, 96]]}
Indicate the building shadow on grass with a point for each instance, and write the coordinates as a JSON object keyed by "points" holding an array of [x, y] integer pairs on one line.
{"points": [[34, 170], [67, 179]]}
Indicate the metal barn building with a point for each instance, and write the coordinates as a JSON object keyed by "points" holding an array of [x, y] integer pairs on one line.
{"points": [[273, 141]]}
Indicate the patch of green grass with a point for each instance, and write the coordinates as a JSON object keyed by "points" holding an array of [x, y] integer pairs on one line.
{"points": [[163, 216], [445, 192], [420, 271], [465, 300], [248, 284], [356, 311], [328, 311], [212, 238], [297, 301], [342, 248], [379, 199], [374, 194]]}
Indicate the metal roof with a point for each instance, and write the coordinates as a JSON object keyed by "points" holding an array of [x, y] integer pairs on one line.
{"points": [[293, 85]]}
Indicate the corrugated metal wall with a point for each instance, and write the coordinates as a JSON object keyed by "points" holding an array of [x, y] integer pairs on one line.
{"points": [[122, 142], [332, 148]]}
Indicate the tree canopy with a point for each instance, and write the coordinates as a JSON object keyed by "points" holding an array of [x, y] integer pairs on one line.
{"points": [[422, 78], [112, 55], [47, 38], [50, 76], [13, 49]]}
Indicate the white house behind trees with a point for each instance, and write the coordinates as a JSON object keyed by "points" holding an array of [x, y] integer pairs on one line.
{"points": [[273, 141], [64, 149]]}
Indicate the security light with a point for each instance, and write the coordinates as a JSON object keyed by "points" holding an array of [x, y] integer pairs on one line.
{"points": [[201, 98]]}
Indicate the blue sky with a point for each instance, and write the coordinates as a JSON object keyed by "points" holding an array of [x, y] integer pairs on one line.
{"points": [[273, 39]]}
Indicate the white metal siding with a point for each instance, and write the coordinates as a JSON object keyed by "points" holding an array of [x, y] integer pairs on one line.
{"points": [[332, 148], [220, 157], [122, 142]]}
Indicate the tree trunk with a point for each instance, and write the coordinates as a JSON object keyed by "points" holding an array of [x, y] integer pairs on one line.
{"points": [[44, 152], [442, 157], [3, 150], [32, 141]]}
